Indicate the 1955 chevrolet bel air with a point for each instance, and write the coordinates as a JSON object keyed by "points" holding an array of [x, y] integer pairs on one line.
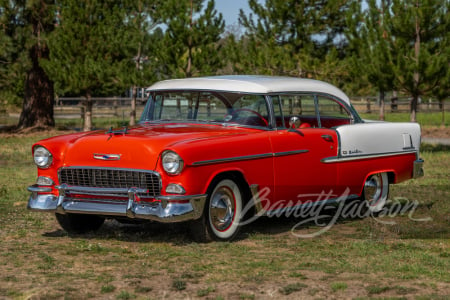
{"points": [[206, 147]]}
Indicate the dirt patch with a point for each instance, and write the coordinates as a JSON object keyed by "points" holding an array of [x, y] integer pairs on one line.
{"points": [[436, 132]]}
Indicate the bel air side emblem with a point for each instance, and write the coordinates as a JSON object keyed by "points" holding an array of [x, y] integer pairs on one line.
{"points": [[107, 156]]}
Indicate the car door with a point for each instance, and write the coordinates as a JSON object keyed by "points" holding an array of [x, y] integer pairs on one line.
{"points": [[299, 173]]}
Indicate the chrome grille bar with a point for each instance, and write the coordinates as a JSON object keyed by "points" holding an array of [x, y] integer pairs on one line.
{"points": [[111, 178]]}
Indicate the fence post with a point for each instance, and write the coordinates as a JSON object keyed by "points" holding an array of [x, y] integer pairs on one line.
{"points": [[394, 99], [116, 106], [368, 109], [82, 112]]}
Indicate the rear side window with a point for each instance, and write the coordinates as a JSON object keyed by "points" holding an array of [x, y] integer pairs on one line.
{"points": [[314, 111], [332, 113]]}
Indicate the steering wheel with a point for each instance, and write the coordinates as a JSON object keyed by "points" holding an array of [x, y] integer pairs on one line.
{"points": [[237, 111]]}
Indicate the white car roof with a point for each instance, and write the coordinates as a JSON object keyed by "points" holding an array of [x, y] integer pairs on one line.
{"points": [[250, 84]]}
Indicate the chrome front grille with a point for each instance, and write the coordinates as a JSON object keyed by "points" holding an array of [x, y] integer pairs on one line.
{"points": [[111, 178]]}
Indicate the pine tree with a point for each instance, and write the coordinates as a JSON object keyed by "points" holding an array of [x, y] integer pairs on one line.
{"points": [[297, 36], [419, 39], [25, 25], [13, 57], [369, 37], [191, 40], [86, 53], [141, 22]]}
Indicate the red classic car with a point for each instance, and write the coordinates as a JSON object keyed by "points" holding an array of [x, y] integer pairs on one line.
{"points": [[208, 149]]}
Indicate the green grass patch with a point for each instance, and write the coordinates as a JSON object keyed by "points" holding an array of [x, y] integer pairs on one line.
{"points": [[205, 292], [109, 288], [338, 286], [426, 119], [125, 295], [292, 288], [179, 284]]}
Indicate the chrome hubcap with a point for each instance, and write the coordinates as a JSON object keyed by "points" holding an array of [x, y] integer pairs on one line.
{"points": [[222, 208], [373, 189]]}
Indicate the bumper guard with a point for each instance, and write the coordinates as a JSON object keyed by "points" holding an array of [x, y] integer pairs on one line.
{"points": [[418, 168], [165, 209]]}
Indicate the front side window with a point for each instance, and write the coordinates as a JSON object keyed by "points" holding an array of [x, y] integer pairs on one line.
{"points": [[296, 105], [194, 106]]}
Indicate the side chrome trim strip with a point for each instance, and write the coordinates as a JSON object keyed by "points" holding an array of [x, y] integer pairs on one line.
{"points": [[278, 154], [335, 159], [231, 159], [247, 157]]}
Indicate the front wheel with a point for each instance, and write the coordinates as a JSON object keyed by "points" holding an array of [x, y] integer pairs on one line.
{"points": [[222, 214], [376, 190], [79, 223]]}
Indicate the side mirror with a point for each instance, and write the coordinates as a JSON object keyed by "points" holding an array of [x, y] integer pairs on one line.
{"points": [[294, 122]]}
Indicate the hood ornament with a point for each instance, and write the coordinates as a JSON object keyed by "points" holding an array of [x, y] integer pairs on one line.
{"points": [[107, 156]]}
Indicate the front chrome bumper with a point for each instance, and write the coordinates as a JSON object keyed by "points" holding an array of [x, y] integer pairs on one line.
{"points": [[166, 209], [418, 168]]}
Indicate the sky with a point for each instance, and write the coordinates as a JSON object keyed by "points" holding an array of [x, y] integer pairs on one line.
{"points": [[230, 9]]}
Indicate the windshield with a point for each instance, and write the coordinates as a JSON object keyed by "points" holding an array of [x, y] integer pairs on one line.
{"points": [[195, 106]]}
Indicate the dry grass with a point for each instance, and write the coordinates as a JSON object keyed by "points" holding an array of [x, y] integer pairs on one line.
{"points": [[356, 258]]}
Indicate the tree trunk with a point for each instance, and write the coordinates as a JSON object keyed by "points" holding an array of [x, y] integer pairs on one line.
{"points": [[416, 75], [413, 108], [133, 106], [37, 110], [442, 105], [382, 105], [88, 112]]}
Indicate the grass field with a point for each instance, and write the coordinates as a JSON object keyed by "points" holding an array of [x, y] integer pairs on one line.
{"points": [[355, 259]]}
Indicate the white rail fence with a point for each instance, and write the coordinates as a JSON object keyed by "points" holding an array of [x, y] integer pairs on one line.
{"points": [[72, 107]]}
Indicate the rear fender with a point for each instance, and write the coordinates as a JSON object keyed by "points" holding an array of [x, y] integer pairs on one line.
{"points": [[377, 138]]}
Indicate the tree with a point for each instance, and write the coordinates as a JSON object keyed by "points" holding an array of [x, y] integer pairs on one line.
{"points": [[25, 25], [86, 53], [140, 47], [419, 39], [442, 90], [191, 40], [369, 37], [13, 59], [298, 37]]}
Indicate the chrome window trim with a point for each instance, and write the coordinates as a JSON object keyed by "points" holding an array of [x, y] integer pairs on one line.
{"points": [[335, 159], [150, 107], [354, 116], [247, 157]]}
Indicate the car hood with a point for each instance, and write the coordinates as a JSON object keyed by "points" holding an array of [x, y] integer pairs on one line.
{"points": [[139, 147]]}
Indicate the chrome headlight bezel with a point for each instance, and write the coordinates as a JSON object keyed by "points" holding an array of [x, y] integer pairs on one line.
{"points": [[42, 157], [172, 163]]}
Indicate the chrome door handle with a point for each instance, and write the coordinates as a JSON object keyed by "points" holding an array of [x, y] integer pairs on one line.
{"points": [[327, 137]]}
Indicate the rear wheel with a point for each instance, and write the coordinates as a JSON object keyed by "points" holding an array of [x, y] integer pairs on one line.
{"points": [[222, 214], [79, 223], [376, 190]]}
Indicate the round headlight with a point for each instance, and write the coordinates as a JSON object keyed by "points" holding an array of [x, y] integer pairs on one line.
{"points": [[42, 157], [172, 162]]}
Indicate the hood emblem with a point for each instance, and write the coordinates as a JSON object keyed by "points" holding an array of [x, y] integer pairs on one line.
{"points": [[107, 156]]}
